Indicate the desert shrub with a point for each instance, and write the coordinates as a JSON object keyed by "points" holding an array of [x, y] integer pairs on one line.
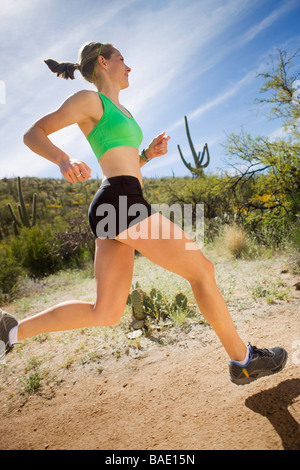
{"points": [[10, 273], [235, 240], [75, 244], [33, 251]]}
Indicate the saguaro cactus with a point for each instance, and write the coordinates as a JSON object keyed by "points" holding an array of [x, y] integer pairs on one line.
{"points": [[197, 171], [24, 219]]}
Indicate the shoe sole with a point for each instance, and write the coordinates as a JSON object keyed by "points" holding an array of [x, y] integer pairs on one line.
{"points": [[260, 375]]}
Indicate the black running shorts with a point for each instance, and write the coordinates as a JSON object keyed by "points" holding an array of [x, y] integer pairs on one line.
{"points": [[117, 205]]}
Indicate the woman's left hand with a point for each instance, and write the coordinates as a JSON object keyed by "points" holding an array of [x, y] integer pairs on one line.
{"points": [[158, 146]]}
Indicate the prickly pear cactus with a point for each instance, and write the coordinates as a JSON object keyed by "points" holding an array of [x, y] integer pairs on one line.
{"points": [[152, 306], [155, 294], [148, 304], [180, 300], [137, 297]]}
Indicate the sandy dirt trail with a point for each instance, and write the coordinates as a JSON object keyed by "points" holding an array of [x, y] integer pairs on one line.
{"points": [[171, 397]]}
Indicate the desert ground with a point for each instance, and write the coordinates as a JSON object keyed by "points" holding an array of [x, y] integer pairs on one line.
{"points": [[169, 389]]}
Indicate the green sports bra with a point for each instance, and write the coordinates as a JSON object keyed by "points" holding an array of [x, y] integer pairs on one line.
{"points": [[114, 129]]}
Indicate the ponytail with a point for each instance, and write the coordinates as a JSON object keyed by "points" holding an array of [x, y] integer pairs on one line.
{"points": [[62, 69], [87, 57]]}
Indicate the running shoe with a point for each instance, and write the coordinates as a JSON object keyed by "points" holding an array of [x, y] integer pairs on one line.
{"points": [[7, 322], [262, 362]]}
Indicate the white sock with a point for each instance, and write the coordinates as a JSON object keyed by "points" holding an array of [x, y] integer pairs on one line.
{"points": [[13, 335], [244, 362]]}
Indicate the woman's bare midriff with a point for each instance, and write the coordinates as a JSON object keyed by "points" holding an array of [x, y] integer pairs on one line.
{"points": [[121, 161], [116, 161]]}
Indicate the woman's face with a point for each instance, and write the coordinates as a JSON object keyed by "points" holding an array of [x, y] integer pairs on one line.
{"points": [[118, 70]]}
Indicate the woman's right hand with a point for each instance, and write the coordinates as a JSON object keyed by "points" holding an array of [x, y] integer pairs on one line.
{"points": [[75, 170]]}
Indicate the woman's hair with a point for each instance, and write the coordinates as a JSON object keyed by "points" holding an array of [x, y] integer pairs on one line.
{"points": [[87, 58]]}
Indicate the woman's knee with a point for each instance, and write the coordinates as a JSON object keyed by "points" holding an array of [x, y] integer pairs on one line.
{"points": [[210, 268], [204, 272], [103, 317]]}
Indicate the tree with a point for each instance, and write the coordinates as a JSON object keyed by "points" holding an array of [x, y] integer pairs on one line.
{"points": [[271, 165], [267, 186], [277, 161], [279, 87]]}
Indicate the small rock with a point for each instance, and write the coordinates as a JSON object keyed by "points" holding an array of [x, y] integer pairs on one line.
{"points": [[137, 324], [134, 334]]}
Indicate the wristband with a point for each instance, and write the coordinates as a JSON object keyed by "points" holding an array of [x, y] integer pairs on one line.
{"points": [[143, 155]]}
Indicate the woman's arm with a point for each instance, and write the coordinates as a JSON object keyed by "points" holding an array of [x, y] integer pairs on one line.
{"points": [[158, 147], [142, 161], [36, 138]]}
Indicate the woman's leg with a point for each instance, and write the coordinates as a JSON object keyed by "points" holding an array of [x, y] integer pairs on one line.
{"points": [[114, 264], [171, 253]]}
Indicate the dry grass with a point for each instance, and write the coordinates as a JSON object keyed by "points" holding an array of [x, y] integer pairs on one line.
{"points": [[234, 240]]}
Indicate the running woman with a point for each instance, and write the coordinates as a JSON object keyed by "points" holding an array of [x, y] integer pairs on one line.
{"points": [[115, 138]]}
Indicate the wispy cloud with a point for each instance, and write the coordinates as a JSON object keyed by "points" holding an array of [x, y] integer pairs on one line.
{"points": [[217, 100], [17, 8], [169, 45], [262, 25], [237, 15], [181, 34]]}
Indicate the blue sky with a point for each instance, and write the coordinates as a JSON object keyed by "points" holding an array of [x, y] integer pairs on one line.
{"points": [[188, 57]]}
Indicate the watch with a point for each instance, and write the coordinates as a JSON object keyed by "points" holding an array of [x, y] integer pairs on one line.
{"points": [[143, 155]]}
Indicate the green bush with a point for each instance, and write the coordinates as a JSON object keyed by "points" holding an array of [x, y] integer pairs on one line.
{"points": [[265, 206], [10, 273], [33, 251], [296, 236]]}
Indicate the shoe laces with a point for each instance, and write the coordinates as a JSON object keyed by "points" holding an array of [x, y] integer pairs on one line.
{"points": [[260, 352]]}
